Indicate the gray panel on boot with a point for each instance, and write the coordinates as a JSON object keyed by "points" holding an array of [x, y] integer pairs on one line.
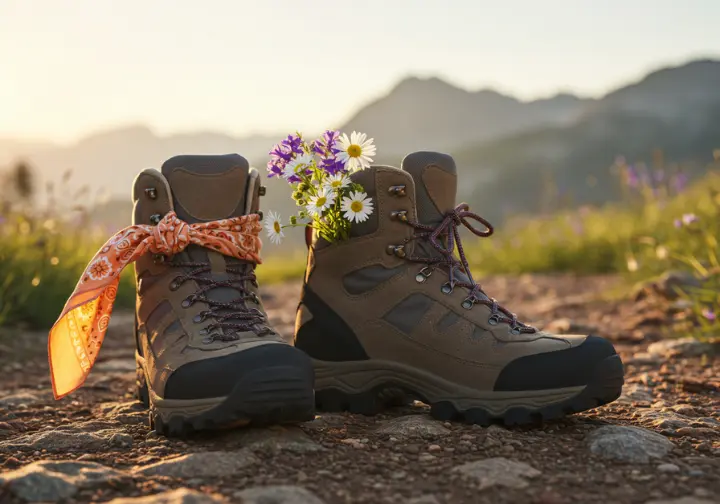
{"points": [[408, 313], [369, 277]]}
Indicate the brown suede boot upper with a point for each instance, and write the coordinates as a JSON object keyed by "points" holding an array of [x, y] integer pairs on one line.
{"points": [[181, 316], [383, 294]]}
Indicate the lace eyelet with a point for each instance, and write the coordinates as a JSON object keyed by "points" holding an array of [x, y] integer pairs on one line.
{"points": [[515, 331], [175, 284], [200, 317], [208, 340], [396, 250], [151, 193], [423, 274], [493, 320], [467, 304], [187, 302], [155, 219], [400, 215], [397, 190], [159, 258], [447, 288]]}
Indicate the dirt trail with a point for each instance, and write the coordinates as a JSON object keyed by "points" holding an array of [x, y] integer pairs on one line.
{"points": [[660, 442]]}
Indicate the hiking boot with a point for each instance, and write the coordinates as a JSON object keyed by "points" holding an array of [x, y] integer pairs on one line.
{"points": [[206, 356], [395, 308]]}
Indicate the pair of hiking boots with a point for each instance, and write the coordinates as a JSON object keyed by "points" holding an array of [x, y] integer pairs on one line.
{"points": [[390, 314]]}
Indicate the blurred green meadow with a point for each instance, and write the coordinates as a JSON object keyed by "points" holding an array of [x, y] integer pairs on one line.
{"points": [[661, 225]]}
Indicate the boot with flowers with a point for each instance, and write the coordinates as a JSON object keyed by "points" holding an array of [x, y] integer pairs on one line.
{"points": [[206, 356], [390, 304]]}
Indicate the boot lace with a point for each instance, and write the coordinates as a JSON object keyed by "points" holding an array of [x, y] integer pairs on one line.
{"points": [[448, 231], [233, 317]]}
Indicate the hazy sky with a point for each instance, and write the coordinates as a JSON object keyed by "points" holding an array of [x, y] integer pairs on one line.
{"points": [[68, 67]]}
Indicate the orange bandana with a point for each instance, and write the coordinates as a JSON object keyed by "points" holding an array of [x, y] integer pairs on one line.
{"points": [[76, 337]]}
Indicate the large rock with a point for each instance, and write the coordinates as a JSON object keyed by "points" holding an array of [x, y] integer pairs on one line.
{"points": [[628, 444], [59, 440], [51, 481], [411, 426], [682, 500], [179, 496], [280, 494], [498, 472], [201, 465]]}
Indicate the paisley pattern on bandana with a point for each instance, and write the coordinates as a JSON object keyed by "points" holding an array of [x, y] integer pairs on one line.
{"points": [[76, 337]]}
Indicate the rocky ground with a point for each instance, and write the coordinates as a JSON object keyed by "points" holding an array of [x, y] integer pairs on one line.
{"points": [[659, 443]]}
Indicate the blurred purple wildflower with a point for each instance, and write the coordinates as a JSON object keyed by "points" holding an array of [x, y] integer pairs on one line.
{"points": [[689, 218], [632, 177], [679, 182], [659, 175], [709, 314]]}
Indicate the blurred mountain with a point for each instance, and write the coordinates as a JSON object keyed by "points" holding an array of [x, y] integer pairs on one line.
{"points": [[433, 114], [506, 149], [670, 119]]}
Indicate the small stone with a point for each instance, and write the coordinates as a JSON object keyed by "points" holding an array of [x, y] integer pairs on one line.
{"points": [[201, 465], [628, 444], [115, 366], [434, 448], [58, 440], [411, 426], [17, 399], [355, 443], [425, 499], [498, 472], [426, 457], [634, 392], [643, 359], [51, 481], [681, 347], [398, 475], [132, 412], [179, 496], [668, 468], [280, 494], [681, 500], [276, 439]]}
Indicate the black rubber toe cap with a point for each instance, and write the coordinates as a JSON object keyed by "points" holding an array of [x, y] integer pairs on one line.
{"points": [[218, 377], [572, 367]]}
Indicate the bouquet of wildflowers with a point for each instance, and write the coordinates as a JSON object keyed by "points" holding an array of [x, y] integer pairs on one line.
{"points": [[319, 174]]}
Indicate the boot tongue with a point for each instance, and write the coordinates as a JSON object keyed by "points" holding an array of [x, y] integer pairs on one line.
{"points": [[435, 178], [207, 188]]}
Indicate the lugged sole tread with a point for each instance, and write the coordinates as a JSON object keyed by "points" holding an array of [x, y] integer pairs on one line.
{"points": [[605, 388]]}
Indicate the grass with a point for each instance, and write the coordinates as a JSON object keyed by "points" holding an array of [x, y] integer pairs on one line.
{"points": [[43, 253]]}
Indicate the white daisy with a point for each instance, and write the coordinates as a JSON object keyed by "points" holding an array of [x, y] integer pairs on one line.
{"points": [[337, 181], [297, 165], [273, 225], [318, 204], [357, 207], [356, 151]]}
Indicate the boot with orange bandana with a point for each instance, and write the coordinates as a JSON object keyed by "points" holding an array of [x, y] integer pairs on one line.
{"points": [[206, 356]]}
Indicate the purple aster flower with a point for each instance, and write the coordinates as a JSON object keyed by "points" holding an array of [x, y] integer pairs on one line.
{"points": [[659, 175], [689, 218], [325, 145], [282, 153], [677, 223], [709, 314], [332, 165]]}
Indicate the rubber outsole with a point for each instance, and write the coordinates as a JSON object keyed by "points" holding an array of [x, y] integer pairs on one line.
{"points": [[605, 387], [270, 396]]}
